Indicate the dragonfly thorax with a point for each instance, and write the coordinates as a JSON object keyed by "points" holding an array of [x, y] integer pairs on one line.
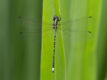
{"points": [[56, 19]]}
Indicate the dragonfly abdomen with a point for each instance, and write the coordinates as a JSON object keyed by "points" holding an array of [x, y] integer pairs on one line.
{"points": [[53, 65]]}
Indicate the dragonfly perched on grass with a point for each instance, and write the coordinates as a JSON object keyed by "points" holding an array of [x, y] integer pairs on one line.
{"points": [[66, 26]]}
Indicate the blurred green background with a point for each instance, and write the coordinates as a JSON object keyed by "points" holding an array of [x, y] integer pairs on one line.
{"points": [[19, 52]]}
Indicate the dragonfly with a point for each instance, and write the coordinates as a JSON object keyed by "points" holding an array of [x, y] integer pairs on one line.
{"points": [[55, 26], [56, 19]]}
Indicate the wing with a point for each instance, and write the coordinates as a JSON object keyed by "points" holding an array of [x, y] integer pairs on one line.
{"points": [[69, 26], [31, 21]]}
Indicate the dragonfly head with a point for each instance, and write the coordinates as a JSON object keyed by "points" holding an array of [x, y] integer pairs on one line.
{"points": [[56, 17]]}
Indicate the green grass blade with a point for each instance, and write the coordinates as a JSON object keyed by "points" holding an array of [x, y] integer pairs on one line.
{"points": [[51, 9]]}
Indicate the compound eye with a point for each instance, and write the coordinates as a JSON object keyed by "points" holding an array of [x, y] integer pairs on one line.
{"points": [[59, 18], [54, 18]]}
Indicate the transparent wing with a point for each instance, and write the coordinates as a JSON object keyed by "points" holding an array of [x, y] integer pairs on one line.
{"points": [[37, 33], [69, 26], [80, 21]]}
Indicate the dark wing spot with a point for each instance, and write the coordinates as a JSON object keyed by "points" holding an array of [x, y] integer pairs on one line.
{"points": [[89, 32], [20, 17], [20, 33], [90, 17]]}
